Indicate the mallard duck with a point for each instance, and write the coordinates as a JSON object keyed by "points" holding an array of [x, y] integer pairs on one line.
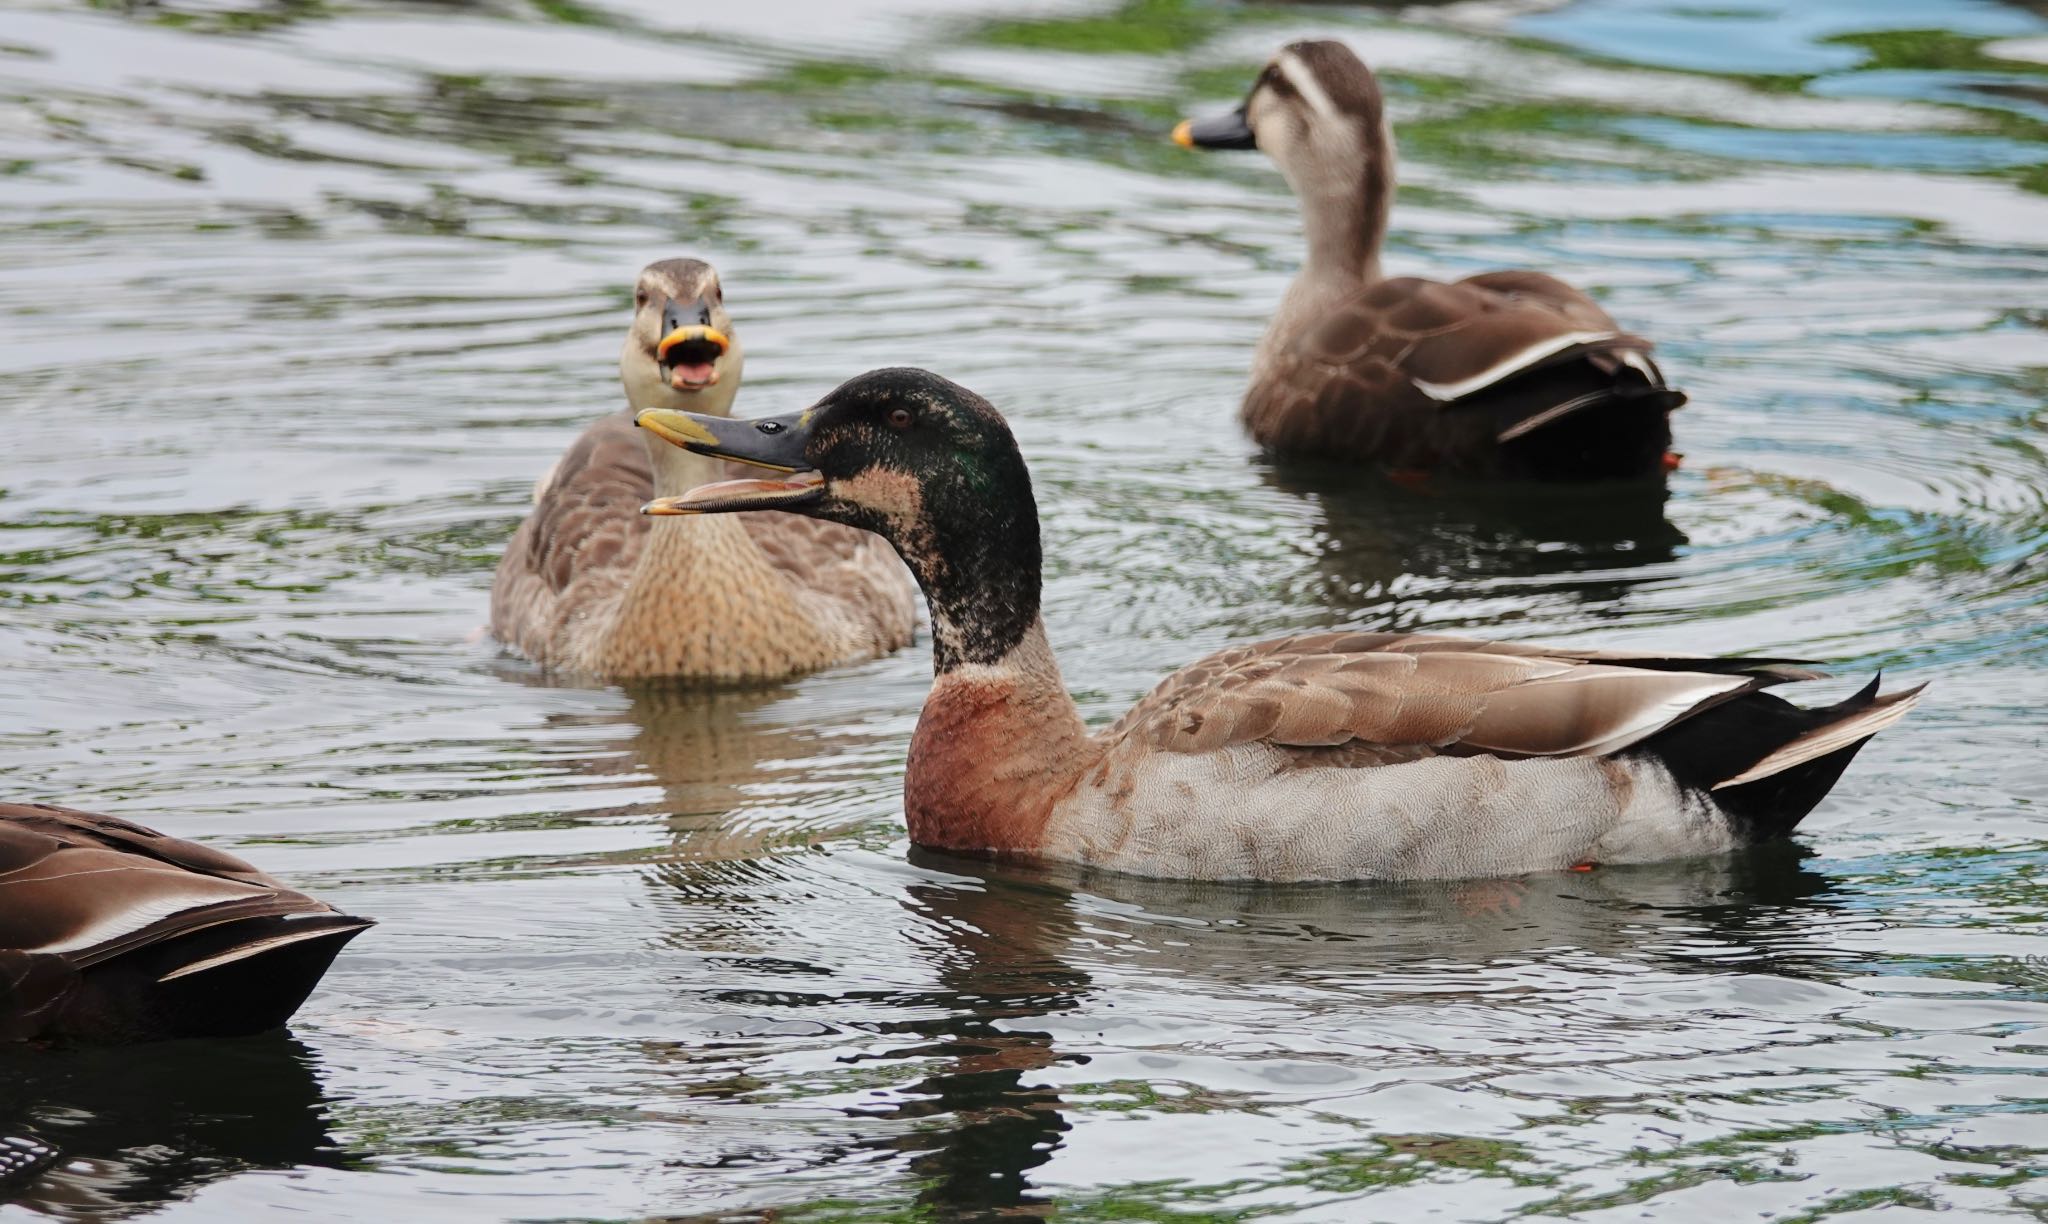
{"points": [[1510, 374], [586, 586], [1345, 755], [113, 932]]}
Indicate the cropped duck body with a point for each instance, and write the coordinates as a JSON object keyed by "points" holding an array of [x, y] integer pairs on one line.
{"points": [[1512, 374], [1323, 756], [588, 585], [113, 932]]}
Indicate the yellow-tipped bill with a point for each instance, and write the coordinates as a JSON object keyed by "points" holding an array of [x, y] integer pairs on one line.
{"points": [[677, 428], [695, 331], [690, 355], [1226, 131], [776, 443]]}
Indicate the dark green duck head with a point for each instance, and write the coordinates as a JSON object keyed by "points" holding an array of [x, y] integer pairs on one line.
{"points": [[913, 457]]}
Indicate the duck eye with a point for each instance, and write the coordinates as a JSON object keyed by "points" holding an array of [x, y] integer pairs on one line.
{"points": [[900, 418], [640, 298]]}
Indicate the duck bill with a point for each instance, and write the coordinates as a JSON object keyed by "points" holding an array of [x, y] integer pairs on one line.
{"points": [[1225, 131], [716, 341], [775, 443], [689, 355]]}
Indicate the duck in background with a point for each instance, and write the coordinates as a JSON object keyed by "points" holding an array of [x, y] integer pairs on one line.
{"points": [[589, 586], [112, 932], [1511, 375], [1325, 756]]}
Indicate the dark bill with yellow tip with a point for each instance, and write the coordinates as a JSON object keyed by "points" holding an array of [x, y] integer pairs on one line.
{"points": [[776, 443], [1225, 131], [714, 341]]}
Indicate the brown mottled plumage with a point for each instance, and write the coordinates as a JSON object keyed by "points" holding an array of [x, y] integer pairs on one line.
{"points": [[588, 585], [110, 931], [1342, 755], [1502, 374]]}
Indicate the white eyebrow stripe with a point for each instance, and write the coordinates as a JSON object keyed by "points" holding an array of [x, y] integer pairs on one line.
{"points": [[1305, 84]]}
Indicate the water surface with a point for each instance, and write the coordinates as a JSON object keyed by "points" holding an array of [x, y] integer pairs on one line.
{"points": [[301, 295]]}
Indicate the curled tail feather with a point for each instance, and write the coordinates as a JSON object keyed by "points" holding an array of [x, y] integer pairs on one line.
{"points": [[1861, 717]]}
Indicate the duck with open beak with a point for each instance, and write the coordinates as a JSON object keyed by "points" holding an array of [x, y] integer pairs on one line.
{"points": [[587, 586], [775, 443], [1321, 756], [682, 349], [690, 345]]}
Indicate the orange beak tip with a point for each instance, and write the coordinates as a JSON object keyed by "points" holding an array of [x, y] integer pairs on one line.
{"points": [[1184, 133], [696, 331]]}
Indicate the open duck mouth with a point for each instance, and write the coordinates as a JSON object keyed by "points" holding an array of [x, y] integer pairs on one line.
{"points": [[728, 495], [689, 355], [775, 443]]}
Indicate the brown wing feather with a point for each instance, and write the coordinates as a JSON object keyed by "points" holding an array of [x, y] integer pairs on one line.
{"points": [[1376, 376], [90, 887], [581, 542], [1395, 696]]}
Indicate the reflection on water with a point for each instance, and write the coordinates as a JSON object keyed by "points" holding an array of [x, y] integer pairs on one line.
{"points": [[299, 300], [998, 957], [1412, 547], [135, 1129], [1012, 949]]}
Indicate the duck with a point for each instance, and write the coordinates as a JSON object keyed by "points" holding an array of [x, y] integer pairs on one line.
{"points": [[1342, 755], [589, 586], [1512, 374], [113, 932]]}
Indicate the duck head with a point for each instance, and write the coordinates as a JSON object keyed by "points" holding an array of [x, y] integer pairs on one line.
{"points": [[1315, 110], [681, 351], [913, 457]]}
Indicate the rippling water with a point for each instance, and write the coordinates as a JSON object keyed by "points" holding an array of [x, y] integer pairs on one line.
{"points": [[301, 295]]}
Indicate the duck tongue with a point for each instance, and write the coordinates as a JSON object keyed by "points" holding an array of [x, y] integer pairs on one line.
{"points": [[690, 375]]}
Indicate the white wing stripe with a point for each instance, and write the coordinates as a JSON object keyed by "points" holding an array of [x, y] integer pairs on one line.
{"points": [[1446, 392], [244, 951]]}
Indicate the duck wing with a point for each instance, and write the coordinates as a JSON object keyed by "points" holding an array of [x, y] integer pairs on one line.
{"points": [[1395, 697], [585, 532], [82, 894], [1433, 375]]}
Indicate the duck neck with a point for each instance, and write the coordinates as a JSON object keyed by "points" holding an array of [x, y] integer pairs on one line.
{"points": [[1346, 192], [997, 747], [1000, 741], [704, 539], [971, 540], [1346, 221], [676, 472]]}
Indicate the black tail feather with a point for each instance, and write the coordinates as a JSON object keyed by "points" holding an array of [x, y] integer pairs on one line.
{"points": [[1720, 745], [1585, 419], [1772, 807]]}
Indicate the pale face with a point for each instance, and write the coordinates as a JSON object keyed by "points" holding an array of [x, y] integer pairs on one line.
{"points": [[1318, 143], [681, 351]]}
